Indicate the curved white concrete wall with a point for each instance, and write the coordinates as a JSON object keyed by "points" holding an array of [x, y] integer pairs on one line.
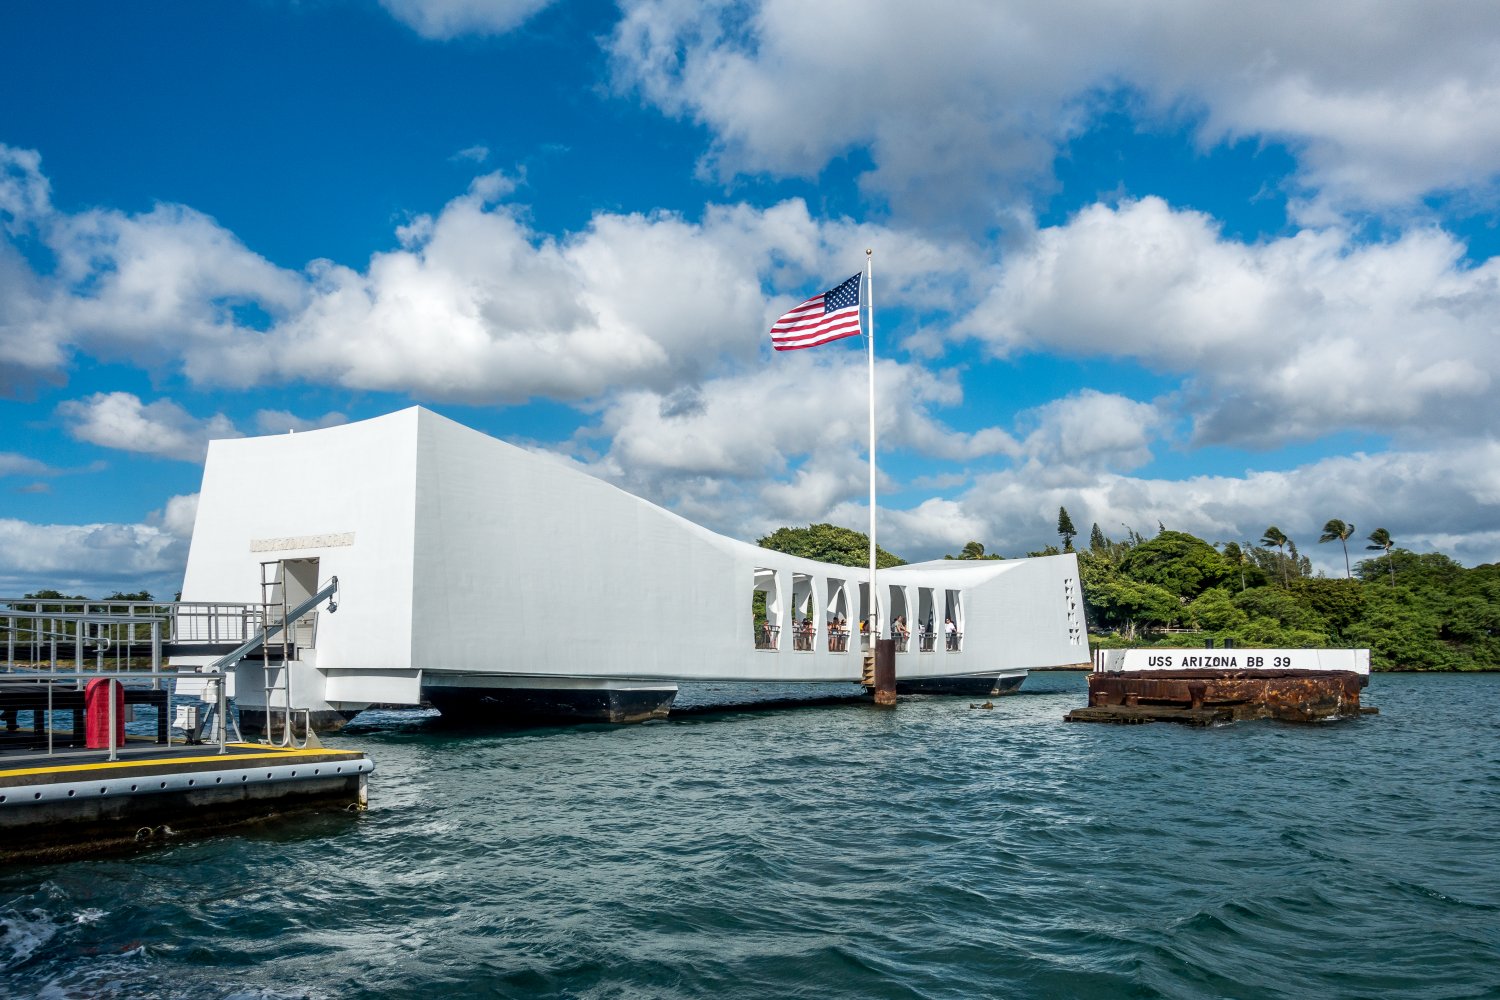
{"points": [[467, 556]]}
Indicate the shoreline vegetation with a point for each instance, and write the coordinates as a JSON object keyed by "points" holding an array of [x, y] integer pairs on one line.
{"points": [[1417, 612]]}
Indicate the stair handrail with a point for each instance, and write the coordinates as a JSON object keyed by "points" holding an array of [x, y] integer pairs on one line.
{"points": [[267, 631]]}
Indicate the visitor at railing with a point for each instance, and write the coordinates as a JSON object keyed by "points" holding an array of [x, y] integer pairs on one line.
{"points": [[900, 633], [802, 637], [926, 639], [838, 636], [766, 636], [952, 635]]}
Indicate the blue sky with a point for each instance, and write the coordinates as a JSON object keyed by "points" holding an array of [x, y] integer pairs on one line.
{"points": [[1159, 264]]}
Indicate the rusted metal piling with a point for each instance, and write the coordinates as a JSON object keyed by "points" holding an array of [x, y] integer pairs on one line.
{"points": [[885, 671], [1136, 686]]}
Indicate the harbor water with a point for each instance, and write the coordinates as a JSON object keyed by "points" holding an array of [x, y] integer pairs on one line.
{"points": [[834, 850]]}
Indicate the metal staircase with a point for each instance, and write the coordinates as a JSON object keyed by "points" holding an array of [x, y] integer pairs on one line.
{"points": [[278, 679], [275, 636]]}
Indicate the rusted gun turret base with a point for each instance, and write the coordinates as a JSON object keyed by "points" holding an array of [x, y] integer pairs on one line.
{"points": [[1203, 697]]}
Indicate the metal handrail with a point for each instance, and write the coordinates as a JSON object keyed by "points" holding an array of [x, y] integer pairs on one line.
{"points": [[272, 629], [187, 621], [155, 676], [767, 635]]}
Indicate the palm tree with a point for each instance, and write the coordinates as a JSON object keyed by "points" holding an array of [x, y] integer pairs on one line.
{"points": [[1274, 536], [1336, 529], [1380, 539]]}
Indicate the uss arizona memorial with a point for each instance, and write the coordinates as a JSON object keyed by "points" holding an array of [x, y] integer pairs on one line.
{"points": [[491, 580]]}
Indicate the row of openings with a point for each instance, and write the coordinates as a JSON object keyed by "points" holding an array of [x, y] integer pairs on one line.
{"points": [[821, 616], [1075, 621]]}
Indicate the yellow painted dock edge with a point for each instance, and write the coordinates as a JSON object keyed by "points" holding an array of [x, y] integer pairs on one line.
{"points": [[265, 753]]}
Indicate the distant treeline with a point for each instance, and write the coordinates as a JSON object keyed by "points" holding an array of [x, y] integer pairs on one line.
{"points": [[1414, 612], [139, 597]]}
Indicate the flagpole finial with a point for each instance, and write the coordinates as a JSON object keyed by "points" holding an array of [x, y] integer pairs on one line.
{"points": [[868, 251]]}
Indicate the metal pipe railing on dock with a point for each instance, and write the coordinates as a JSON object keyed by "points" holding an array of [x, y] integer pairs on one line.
{"points": [[16, 698], [183, 621]]}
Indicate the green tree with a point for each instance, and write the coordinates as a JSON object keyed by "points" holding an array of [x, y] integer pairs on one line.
{"points": [[1097, 541], [1338, 530], [1065, 529], [1428, 569], [1275, 538], [1380, 539], [1237, 558], [1403, 632], [1284, 608], [1214, 611], [47, 596], [1128, 605], [973, 550], [1267, 632], [828, 543], [1298, 565], [1340, 603], [139, 596], [1183, 564]]}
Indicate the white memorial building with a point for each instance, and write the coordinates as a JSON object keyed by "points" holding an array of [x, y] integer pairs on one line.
{"points": [[494, 581]]}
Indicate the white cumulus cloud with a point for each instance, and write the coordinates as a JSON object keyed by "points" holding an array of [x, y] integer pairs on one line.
{"points": [[444, 19], [1396, 490], [121, 420], [963, 105], [92, 559], [1291, 338]]}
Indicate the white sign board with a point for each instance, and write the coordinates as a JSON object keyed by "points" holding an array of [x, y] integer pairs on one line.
{"points": [[1132, 660]]}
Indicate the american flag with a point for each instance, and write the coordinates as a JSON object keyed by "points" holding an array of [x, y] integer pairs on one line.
{"points": [[830, 316]]}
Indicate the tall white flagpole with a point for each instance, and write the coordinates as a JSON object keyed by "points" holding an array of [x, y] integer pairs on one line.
{"points": [[873, 611]]}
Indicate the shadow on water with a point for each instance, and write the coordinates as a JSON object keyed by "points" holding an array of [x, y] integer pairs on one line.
{"points": [[766, 705], [693, 702], [696, 702]]}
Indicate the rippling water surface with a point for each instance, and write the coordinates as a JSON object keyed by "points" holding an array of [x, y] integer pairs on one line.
{"points": [[936, 850]]}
